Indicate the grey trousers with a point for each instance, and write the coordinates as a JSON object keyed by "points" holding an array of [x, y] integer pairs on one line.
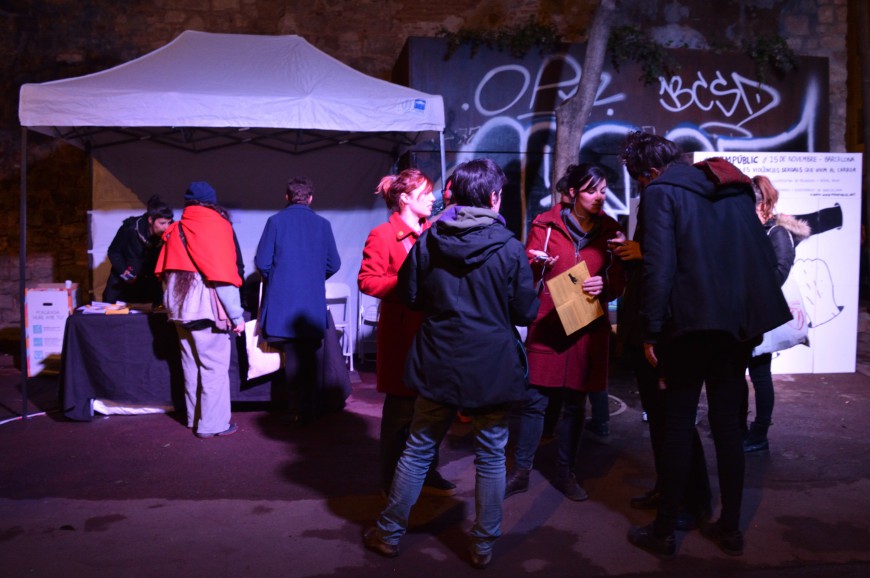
{"points": [[205, 362]]}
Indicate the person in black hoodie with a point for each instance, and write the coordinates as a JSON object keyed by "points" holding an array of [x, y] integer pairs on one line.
{"points": [[133, 255], [471, 278], [710, 291]]}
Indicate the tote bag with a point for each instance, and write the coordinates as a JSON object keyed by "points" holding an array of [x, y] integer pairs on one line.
{"points": [[791, 333], [263, 358]]}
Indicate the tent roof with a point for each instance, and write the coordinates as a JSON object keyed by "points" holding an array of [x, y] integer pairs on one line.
{"points": [[189, 92]]}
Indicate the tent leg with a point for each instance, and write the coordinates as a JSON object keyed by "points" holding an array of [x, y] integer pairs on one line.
{"points": [[443, 162], [22, 271]]}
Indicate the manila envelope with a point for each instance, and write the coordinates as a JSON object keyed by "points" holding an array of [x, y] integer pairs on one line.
{"points": [[576, 309]]}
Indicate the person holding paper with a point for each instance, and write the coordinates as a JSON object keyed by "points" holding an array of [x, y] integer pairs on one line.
{"points": [[568, 362]]}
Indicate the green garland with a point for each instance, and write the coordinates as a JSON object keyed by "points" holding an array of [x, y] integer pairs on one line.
{"points": [[516, 40]]}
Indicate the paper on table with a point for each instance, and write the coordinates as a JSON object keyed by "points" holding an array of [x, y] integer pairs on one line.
{"points": [[576, 309]]}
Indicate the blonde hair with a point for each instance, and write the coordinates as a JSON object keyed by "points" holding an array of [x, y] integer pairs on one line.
{"points": [[766, 196]]}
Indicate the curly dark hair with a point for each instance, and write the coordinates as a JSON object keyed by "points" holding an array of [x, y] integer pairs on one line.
{"points": [[643, 151]]}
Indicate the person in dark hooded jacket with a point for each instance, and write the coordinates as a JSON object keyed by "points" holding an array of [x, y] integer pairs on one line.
{"points": [[710, 291], [471, 278], [133, 256]]}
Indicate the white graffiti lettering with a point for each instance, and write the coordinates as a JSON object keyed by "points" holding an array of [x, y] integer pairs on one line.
{"points": [[540, 102], [733, 95]]}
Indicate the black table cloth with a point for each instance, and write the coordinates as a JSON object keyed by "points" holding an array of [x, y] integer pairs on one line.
{"points": [[135, 359]]}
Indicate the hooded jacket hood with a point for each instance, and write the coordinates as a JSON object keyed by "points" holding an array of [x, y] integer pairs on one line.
{"points": [[468, 236], [713, 179]]}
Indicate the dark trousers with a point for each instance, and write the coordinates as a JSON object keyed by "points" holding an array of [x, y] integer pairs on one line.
{"points": [[762, 382], [688, 364], [302, 375], [697, 495]]}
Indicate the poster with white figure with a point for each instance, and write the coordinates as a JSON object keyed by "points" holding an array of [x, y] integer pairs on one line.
{"points": [[823, 189]]}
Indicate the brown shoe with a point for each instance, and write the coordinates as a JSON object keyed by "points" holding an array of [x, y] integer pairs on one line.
{"points": [[517, 482], [378, 546]]}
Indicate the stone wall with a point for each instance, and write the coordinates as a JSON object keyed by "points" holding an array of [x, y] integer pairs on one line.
{"points": [[43, 40]]}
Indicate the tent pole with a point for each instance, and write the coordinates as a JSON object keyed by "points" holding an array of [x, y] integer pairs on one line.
{"points": [[443, 162], [22, 271]]}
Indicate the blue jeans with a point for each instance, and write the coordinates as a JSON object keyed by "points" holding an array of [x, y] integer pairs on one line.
{"points": [[531, 426], [429, 426], [395, 427]]}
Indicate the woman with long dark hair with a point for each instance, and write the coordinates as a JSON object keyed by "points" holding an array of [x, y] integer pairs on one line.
{"points": [[560, 365]]}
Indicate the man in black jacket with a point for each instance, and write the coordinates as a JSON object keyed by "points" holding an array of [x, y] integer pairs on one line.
{"points": [[709, 292]]}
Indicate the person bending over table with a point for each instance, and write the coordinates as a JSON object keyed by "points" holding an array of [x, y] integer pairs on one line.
{"points": [[133, 255]]}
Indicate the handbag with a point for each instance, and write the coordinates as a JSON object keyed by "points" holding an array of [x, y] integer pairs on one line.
{"points": [[263, 358], [791, 333]]}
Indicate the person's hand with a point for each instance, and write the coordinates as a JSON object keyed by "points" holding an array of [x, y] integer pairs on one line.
{"points": [[239, 328], [627, 250], [650, 354], [128, 276], [593, 285], [542, 258]]}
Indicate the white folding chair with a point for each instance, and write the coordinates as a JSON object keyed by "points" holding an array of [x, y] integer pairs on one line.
{"points": [[338, 303], [367, 323]]}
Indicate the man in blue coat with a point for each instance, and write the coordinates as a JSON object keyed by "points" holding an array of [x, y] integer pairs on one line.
{"points": [[295, 256]]}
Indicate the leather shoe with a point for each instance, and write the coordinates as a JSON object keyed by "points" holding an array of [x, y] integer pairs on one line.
{"points": [[517, 482], [647, 501], [378, 546], [729, 541], [665, 547], [436, 485], [566, 482], [480, 561]]}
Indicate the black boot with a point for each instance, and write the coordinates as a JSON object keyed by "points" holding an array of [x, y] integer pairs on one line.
{"points": [[517, 482], [566, 483], [756, 439]]}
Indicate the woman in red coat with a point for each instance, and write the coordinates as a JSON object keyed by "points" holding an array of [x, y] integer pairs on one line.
{"points": [[567, 366], [409, 196]]}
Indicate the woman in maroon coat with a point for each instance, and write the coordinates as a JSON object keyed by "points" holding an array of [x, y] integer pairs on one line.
{"points": [[567, 366], [409, 196]]}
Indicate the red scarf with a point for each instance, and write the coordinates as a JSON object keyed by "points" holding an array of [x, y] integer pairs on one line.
{"points": [[209, 241]]}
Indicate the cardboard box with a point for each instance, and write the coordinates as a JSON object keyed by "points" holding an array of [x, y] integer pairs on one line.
{"points": [[46, 308]]}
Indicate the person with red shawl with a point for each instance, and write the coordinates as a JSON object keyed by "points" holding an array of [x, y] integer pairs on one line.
{"points": [[198, 268]]}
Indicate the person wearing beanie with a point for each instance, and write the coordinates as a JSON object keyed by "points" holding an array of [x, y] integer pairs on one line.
{"points": [[198, 267], [202, 192]]}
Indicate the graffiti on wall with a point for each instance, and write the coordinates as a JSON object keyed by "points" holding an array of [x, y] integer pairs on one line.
{"points": [[503, 108]]}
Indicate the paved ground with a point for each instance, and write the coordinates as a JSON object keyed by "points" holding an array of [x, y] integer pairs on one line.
{"points": [[140, 496]]}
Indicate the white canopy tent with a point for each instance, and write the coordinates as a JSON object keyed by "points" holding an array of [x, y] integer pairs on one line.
{"points": [[245, 113]]}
